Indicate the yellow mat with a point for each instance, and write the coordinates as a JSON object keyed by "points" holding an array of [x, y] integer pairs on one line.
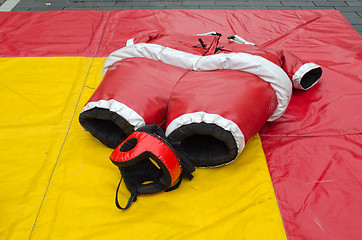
{"points": [[57, 181]]}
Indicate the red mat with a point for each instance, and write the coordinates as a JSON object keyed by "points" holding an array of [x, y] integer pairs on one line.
{"points": [[314, 151]]}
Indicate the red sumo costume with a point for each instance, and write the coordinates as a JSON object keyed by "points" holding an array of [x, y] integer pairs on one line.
{"points": [[210, 99]]}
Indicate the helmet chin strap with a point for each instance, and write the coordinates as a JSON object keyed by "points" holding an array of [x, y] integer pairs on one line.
{"points": [[131, 199]]}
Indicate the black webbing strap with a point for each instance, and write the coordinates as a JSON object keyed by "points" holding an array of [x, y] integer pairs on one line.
{"points": [[186, 164], [131, 199], [174, 186], [202, 42]]}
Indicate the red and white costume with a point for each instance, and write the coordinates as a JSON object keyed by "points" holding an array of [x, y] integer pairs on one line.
{"points": [[209, 99]]}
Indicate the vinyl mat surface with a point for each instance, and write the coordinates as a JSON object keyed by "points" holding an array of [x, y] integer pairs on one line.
{"points": [[299, 178]]}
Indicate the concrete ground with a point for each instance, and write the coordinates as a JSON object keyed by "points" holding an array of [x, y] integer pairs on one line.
{"points": [[351, 9]]}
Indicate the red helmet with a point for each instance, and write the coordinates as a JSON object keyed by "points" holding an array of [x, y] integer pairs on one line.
{"points": [[147, 162]]}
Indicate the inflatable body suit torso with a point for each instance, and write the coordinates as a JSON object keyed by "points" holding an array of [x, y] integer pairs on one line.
{"points": [[209, 99]]}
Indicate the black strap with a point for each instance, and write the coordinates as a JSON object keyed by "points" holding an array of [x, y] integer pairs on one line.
{"points": [[219, 49], [131, 199], [186, 164], [202, 42], [174, 186]]}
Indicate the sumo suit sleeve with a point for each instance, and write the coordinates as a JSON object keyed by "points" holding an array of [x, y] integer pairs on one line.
{"points": [[304, 75]]}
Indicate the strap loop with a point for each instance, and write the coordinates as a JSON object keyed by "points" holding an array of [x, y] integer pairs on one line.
{"points": [[131, 199]]}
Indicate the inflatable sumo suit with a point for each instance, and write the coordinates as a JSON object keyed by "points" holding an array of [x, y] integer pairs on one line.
{"points": [[209, 98]]}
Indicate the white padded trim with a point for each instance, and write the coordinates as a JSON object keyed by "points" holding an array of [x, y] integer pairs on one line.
{"points": [[121, 109], [297, 77], [130, 42], [240, 40], [253, 64], [152, 51], [203, 117], [206, 34]]}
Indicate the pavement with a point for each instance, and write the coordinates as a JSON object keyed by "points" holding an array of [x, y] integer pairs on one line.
{"points": [[351, 9]]}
